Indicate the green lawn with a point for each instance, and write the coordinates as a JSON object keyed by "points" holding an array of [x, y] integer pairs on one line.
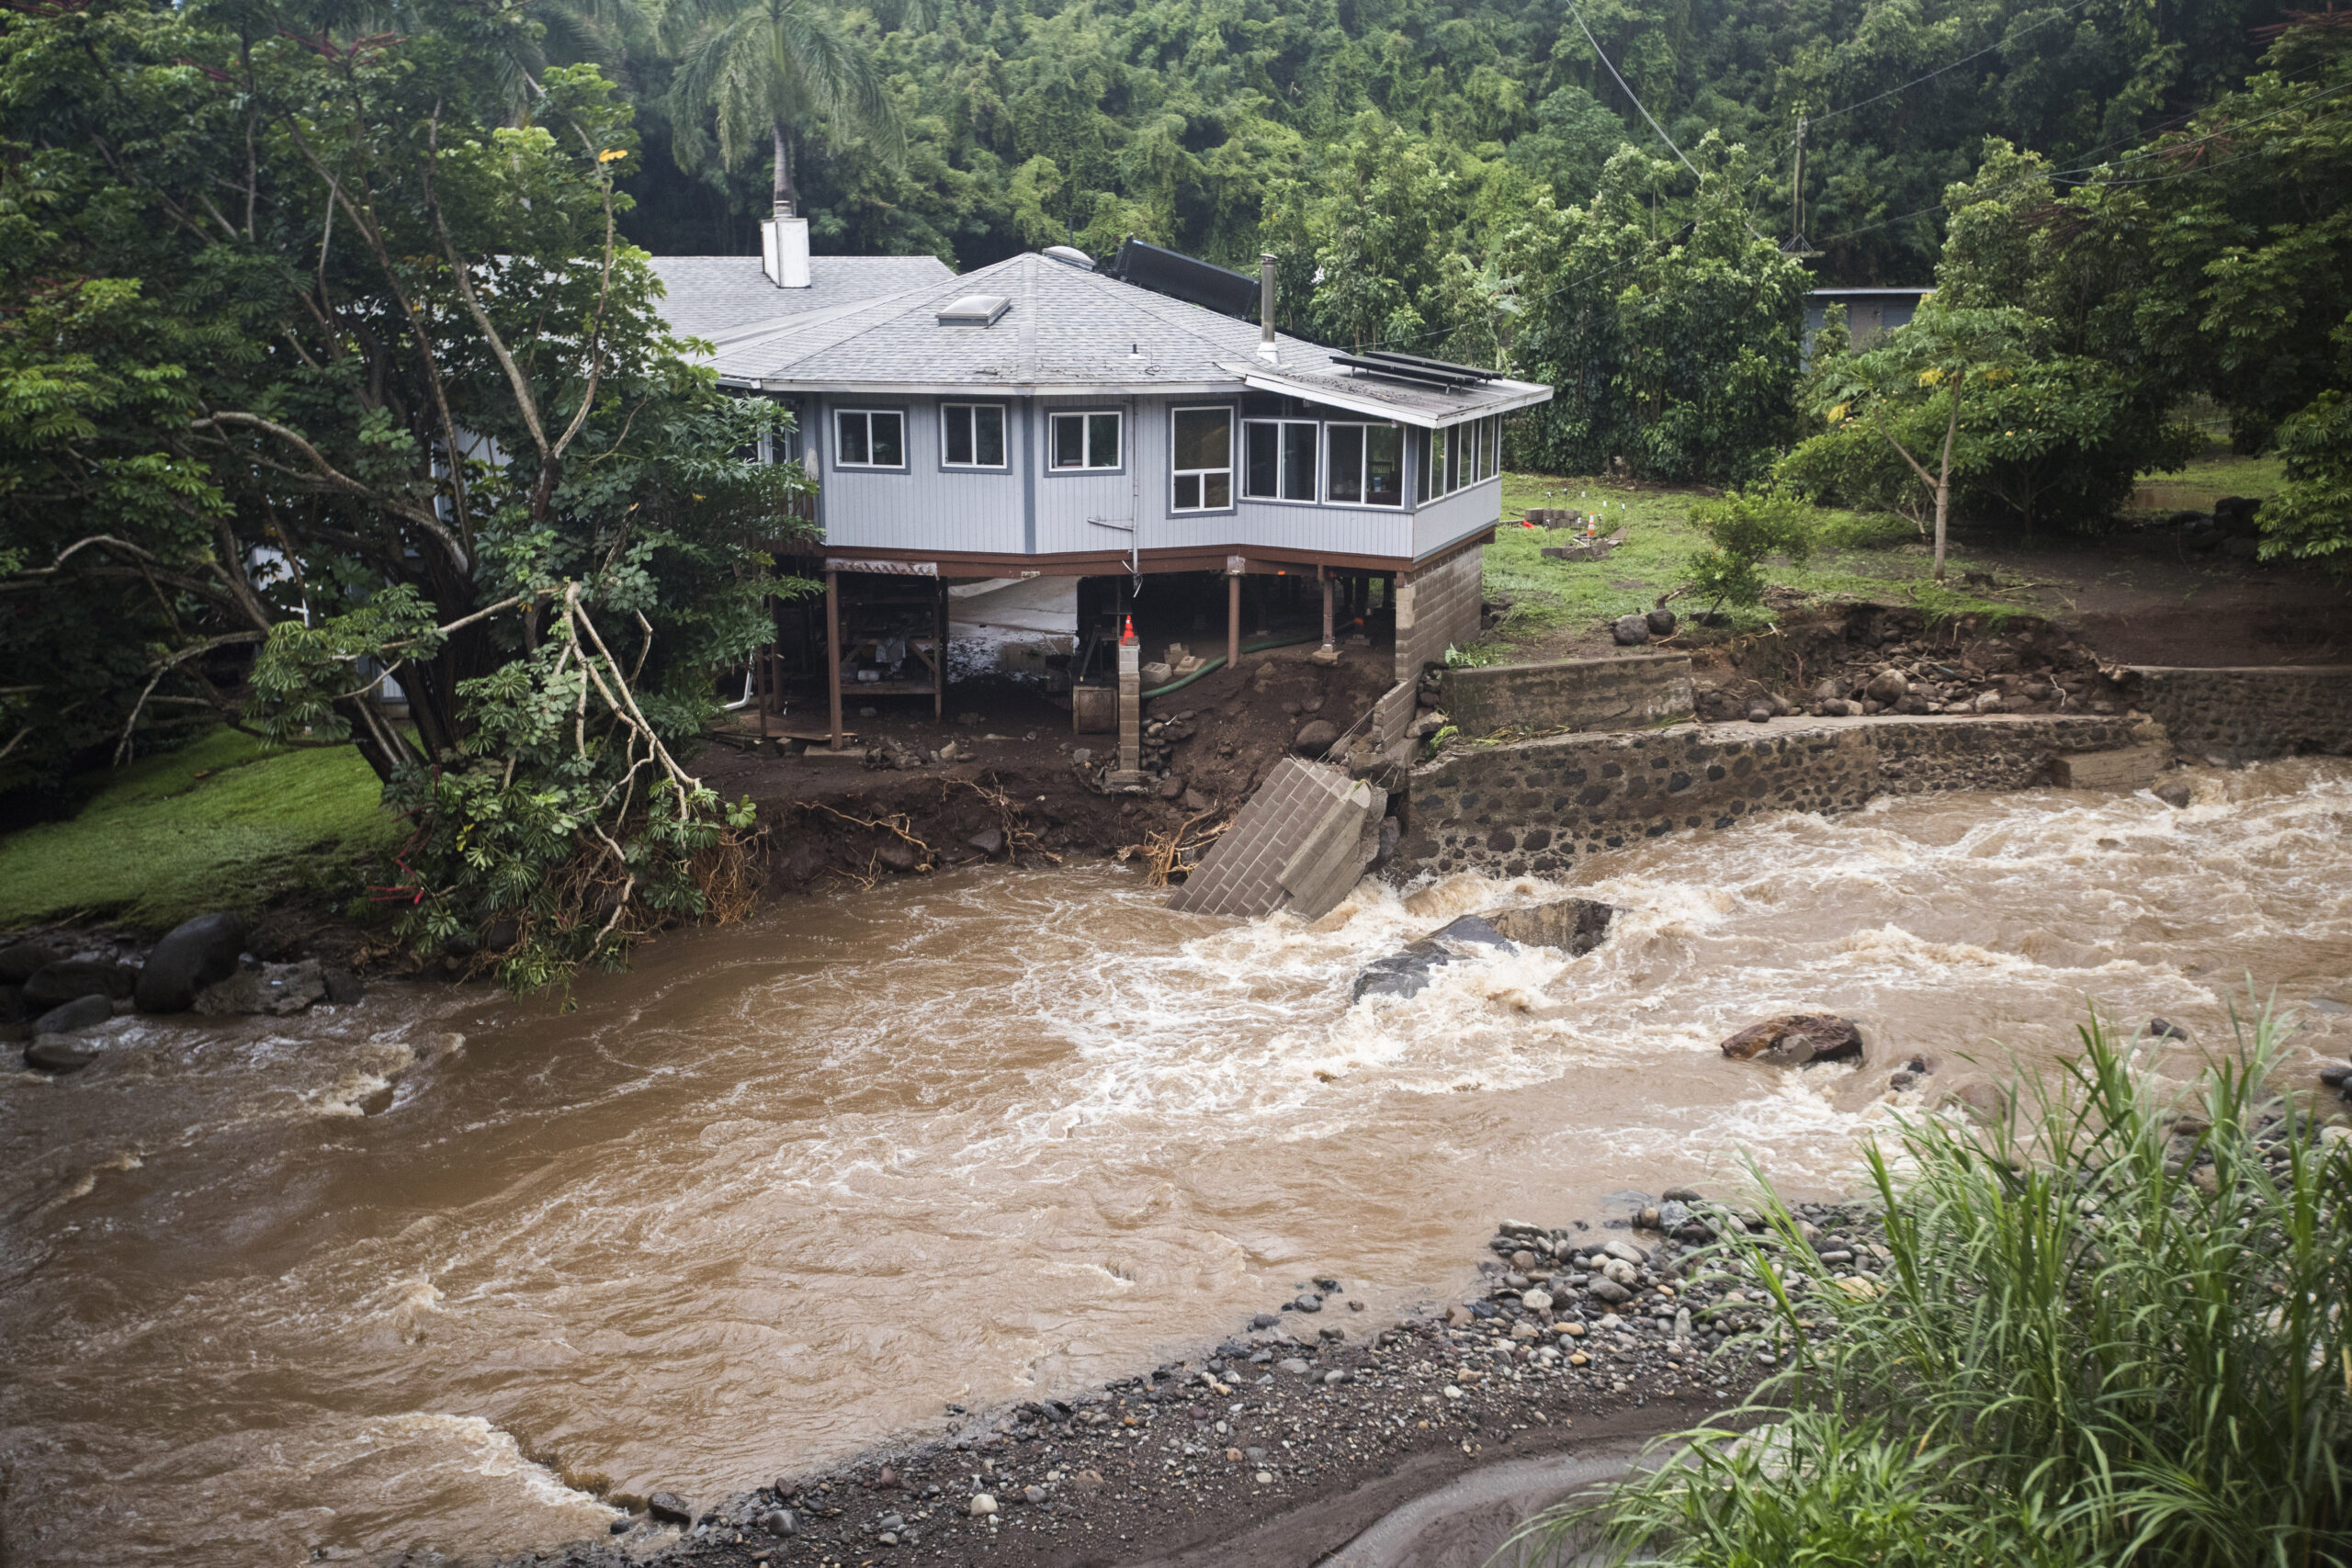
{"points": [[1554, 603], [222, 823], [2207, 480]]}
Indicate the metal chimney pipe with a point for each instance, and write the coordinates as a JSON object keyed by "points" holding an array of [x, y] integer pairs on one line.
{"points": [[1265, 305]]}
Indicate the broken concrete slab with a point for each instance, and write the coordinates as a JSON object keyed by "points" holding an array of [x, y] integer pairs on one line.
{"points": [[1298, 844], [2133, 767]]}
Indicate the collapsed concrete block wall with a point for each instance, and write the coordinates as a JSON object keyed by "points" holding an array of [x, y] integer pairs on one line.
{"points": [[1393, 714], [2247, 713], [1437, 607], [1632, 693], [1539, 806], [1300, 843]]}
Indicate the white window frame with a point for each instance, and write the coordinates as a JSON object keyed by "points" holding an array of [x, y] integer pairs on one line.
{"points": [[1086, 441], [971, 412], [1177, 476], [1283, 429], [869, 414]]}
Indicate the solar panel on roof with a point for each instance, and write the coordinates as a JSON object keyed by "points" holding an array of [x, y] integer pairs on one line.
{"points": [[1184, 277], [1415, 368], [974, 310]]}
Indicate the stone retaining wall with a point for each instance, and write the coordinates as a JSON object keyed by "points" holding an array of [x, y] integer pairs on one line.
{"points": [[1632, 693], [2243, 713], [1539, 806]]}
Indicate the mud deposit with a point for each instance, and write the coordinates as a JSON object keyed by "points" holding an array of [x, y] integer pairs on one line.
{"points": [[346, 1283]]}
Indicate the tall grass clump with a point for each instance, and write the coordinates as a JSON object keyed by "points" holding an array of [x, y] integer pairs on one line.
{"points": [[2112, 1330]]}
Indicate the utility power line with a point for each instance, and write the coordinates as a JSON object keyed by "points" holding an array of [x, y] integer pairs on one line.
{"points": [[1953, 65]]}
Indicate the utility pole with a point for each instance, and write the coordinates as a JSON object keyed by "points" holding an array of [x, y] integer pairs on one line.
{"points": [[1795, 244], [1796, 194]]}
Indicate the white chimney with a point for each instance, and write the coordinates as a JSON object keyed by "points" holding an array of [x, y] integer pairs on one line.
{"points": [[784, 250]]}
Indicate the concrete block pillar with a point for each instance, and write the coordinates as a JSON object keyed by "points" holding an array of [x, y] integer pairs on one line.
{"points": [[1409, 653], [1329, 652], [1130, 703]]}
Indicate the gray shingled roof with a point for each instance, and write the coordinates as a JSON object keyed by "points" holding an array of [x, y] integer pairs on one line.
{"points": [[708, 297], [1068, 330]]}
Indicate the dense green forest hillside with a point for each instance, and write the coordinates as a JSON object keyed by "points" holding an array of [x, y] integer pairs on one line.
{"points": [[1222, 126]]}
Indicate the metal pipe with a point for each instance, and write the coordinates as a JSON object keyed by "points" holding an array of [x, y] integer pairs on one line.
{"points": [[1266, 305]]}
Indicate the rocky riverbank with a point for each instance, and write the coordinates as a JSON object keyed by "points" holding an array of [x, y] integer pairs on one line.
{"points": [[1301, 1428]]}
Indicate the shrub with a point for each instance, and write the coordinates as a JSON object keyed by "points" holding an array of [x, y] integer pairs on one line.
{"points": [[1741, 531], [2083, 1349], [2310, 519]]}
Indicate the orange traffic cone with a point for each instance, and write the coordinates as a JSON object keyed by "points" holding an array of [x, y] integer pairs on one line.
{"points": [[1128, 636]]}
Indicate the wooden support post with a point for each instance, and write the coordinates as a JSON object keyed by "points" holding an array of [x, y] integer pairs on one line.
{"points": [[939, 652], [1232, 619], [762, 682], [833, 650]]}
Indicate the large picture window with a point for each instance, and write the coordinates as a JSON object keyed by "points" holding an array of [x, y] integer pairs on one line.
{"points": [[1278, 459], [1082, 441], [869, 438], [971, 435], [1202, 453]]}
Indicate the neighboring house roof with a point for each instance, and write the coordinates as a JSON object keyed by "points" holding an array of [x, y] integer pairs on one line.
{"points": [[710, 296], [1914, 292], [1068, 331]]}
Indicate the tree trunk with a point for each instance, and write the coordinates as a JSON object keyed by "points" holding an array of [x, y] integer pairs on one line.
{"points": [[786, 199], [1943, 481]]}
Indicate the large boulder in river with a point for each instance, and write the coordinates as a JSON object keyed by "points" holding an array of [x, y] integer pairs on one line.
{"points": [[19, 959], [57, 1053], [1795, 1038], [196, 953], [280, 989], [70, 1018], [1405, 974], [68, 979], [1574, 925]]}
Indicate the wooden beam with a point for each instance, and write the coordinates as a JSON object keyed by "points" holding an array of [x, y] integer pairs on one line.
{"points": [[1233, 621]]}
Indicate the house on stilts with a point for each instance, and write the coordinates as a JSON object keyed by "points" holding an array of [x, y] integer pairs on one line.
{"points": [[1009, 460]]}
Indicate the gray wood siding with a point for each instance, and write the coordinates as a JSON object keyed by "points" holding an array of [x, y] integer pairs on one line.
{"points": [[1066, 502], [1457, 516], [1027, 508], [924, 507]]}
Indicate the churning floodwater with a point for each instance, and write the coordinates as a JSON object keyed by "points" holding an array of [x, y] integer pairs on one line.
{"points": [[352, 1282]]}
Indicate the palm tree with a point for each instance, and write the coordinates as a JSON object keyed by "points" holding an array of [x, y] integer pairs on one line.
{"points": [[758, 65]]}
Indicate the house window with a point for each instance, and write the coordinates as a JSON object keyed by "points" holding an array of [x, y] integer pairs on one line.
{"points": [[1367, 465], [1279, 459], [1424, 468], [972, 435], [1384, 465], [1202, 451], [869, 438], [1084, 441]]}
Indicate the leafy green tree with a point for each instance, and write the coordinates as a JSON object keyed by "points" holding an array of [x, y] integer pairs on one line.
{"points": [[1935, 361], [1668, 327], [356, 378]]}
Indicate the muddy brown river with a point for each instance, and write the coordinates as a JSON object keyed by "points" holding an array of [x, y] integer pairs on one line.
{"points": [[266, 1288]]}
